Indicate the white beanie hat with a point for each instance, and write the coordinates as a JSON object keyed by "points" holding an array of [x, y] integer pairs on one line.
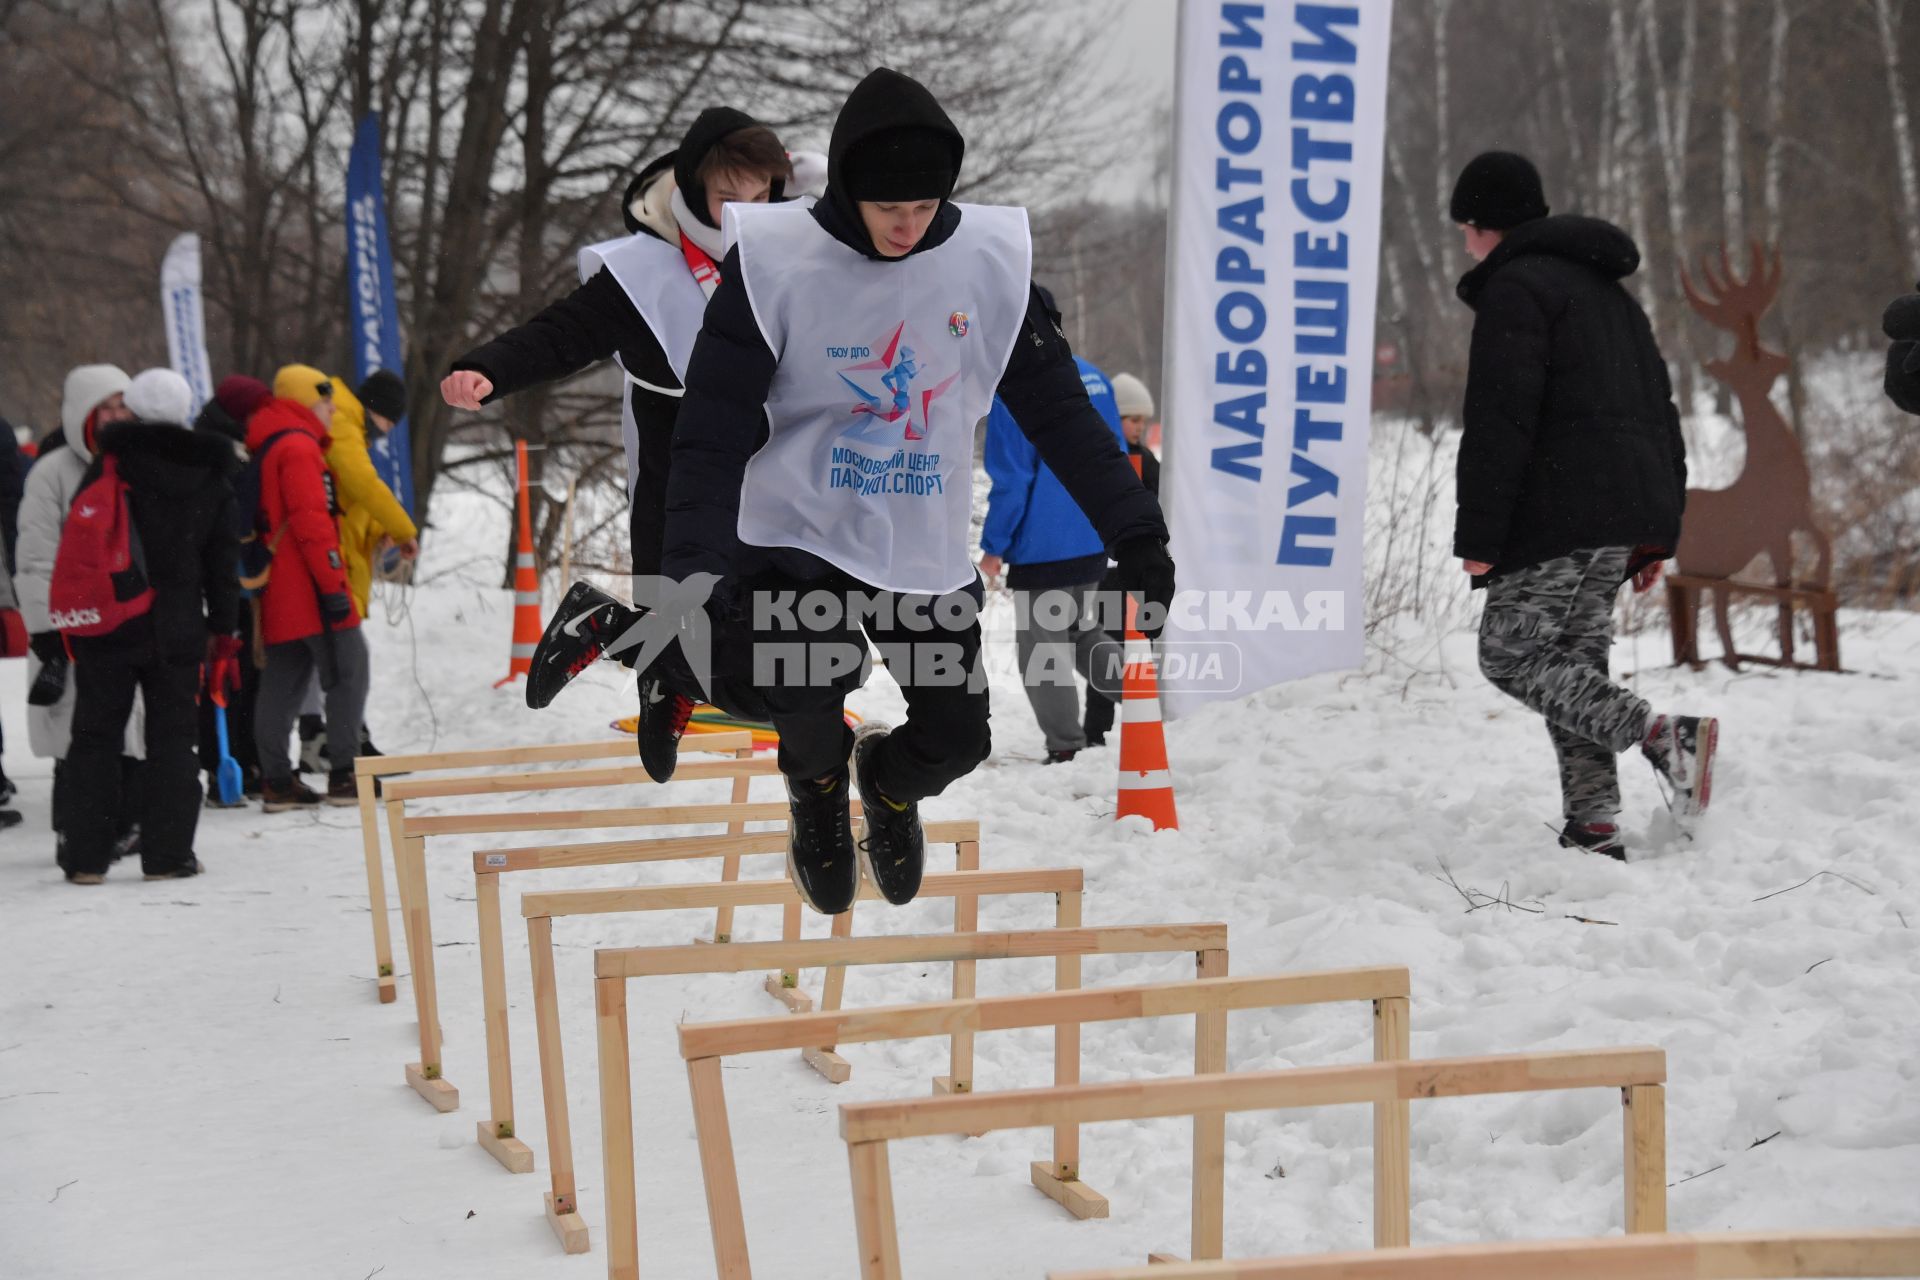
{"points": [[1131, 396], [87, 385], [160, 395]]}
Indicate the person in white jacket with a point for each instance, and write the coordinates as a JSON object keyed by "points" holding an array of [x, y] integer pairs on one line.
{"points": [[94, 396]]}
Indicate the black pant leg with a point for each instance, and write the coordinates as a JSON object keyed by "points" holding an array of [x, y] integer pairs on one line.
{"points": [[103, 699], [170, 782], [804, 674], [946, 735], [647, 530]]}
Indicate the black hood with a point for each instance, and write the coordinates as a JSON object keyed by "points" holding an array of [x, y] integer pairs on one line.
{"points": [[169, 459], [1590, 242], [885, 100], [708, 128], [641, 181]]}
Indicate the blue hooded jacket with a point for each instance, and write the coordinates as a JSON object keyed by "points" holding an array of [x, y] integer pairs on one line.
{"points": [[1030, 517]]}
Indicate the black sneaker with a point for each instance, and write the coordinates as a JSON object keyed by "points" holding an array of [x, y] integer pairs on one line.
{"points": [[1594, 837], [893, 848], [9, 818], [664, 713], [584, 623], [820, 856], [187, 872], [1680, 749]]}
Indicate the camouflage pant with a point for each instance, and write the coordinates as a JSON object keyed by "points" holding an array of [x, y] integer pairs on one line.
{"points": [[1544, 639]]}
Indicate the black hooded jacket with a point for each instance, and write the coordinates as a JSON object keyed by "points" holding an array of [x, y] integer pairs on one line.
{"points": [[1902, 324], [178, 487], [723, 420], [1571, 436]]}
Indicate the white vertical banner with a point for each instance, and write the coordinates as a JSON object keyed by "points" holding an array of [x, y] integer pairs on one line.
{"points": [[180, 303], [1272, 263]]}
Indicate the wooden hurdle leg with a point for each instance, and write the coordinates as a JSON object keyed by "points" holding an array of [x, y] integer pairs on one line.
{"points": [[823, 1059], [409, 857], [966, 919], [1060, 1178], [616, 1129], [730, 865], [717, 1170], [1210, 1129], [873, 1221], [1392, 1132], [376, 890], [496, 1132], [563, 1202], [785, 985], [1646, 1157]]}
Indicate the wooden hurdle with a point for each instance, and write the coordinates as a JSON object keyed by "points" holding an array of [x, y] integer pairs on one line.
{"points": [[410, 834], [1066, 885], [369, 770], [1639, 1074], [613, 968], [1732, 1255], [496, 1133], [705, 1045]]}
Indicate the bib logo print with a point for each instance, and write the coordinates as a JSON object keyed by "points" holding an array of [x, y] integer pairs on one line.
{"points": [[957, 324], [896, 391]]}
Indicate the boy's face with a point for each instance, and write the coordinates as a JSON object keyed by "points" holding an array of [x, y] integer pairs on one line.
{"points": [[1480, 242], [380, 423], [730, 186], [895, 226], [1135, 425]]}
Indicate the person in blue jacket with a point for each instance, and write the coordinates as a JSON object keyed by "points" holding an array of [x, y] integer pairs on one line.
{"points": [[1053, 561]]}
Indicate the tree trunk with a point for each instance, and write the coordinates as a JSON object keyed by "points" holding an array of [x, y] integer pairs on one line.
{"points": [[1902, 127]]}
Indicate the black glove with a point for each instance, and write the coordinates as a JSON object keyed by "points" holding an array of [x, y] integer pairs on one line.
{"points": [[335, 607], [1901, 322], [48, 647], [1146, 573]]}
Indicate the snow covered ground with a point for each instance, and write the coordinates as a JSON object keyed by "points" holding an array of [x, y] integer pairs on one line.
{"points": [[195, 1080]]}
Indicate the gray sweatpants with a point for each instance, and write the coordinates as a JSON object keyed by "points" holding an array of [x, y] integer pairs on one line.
{"points": [[1544, 638], [342, 664], [1055, 637]]}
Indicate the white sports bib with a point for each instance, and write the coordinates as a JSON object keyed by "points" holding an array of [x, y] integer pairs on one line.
{"points": [[656, 280], [885, 369]]}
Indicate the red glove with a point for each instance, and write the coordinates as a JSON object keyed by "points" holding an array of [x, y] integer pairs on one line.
{"points": [[13, 634], [223, 667]]}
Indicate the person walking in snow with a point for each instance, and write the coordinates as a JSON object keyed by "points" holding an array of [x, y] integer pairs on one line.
{"points": [[93, 398], [1054, 562], [640, 303], [307, 617], [1901, 323], [181, 506], [1571, 480], [13, 644], [1135, 403], [782, 483]]}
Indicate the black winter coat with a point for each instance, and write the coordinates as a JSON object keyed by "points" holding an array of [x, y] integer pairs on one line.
{"points": [[13, 479], [1571, 436], [1902, 324], [723, 419], [179, 490]]}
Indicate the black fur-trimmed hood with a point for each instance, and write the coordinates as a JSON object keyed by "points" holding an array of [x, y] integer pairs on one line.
{"points": [[171, 458]]}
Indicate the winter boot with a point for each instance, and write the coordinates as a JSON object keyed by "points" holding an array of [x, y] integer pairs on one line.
{"points": [[1680, 749], [86, 877], [1594, 837], [664, 714], [586, 621], [188, 872], [280, 795], [820, 855], [893, 848], [342, 790], [1061, 756], [313, 744]]}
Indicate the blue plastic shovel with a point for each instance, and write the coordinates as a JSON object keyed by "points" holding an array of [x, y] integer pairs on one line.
{"points": [[227, 776]]}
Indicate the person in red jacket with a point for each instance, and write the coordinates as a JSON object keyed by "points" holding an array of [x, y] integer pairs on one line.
{"points": [[307, 619]]}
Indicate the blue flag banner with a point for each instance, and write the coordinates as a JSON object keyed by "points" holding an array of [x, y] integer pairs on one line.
{"points": [[373, 316]]}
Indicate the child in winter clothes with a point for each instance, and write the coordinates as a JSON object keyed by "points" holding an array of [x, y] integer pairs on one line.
{"points": [[1572, 477], [182, 511], [825, 444]]}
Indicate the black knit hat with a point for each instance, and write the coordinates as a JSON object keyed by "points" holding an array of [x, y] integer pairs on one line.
{"points": [[913, 162], [383, 393], [1498, 191]]}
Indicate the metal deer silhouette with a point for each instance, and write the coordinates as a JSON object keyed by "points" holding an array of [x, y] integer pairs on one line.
{"points": [[1758, 514]]}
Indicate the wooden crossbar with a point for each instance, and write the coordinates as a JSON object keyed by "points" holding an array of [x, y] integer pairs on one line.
{"points": [[1208, 999], [635, 774], [370, 770], [1732, 1255], [1065, 884], [604, 853], [1067, 945], [1639, 1073], [512, 820]]}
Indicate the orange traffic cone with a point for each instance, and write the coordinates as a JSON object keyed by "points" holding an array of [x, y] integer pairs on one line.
{"points": [[1146, 784], [526, 583]]}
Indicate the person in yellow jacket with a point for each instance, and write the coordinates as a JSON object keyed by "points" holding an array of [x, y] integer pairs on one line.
{"points": [[370, 515]]}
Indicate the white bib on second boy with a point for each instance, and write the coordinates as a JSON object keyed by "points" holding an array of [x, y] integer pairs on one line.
{"points": [[656, 280], [885, 370]]}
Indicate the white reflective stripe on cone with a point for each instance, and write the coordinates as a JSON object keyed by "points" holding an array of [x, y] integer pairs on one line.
{"points": [[523, 650], [1151, 780], [526, 597], [523, 560], [1139, 711]]}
